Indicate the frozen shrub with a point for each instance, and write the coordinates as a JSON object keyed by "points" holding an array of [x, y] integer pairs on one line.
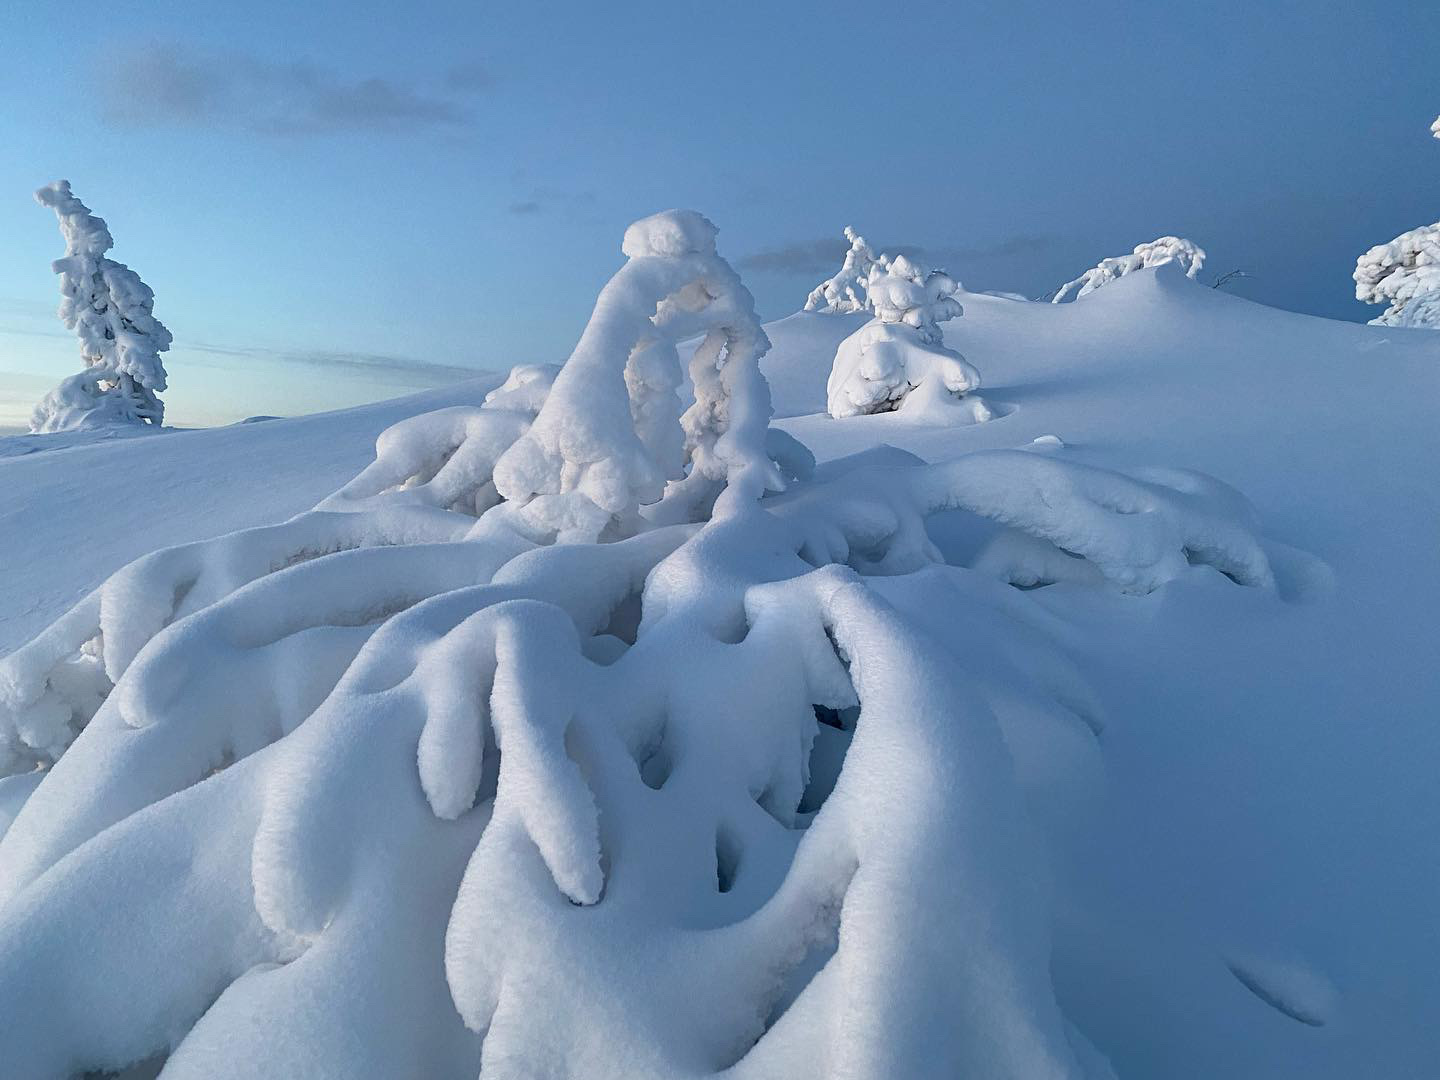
{"points": [[845, 292], [1167, 249], [112, 313], [1405, 274], [899, 359]]}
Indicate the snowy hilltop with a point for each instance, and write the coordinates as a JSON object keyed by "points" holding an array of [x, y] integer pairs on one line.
{"points": [[669, 713]]}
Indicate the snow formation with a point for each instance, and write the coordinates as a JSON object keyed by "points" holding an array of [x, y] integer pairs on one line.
{"points": [[898, 360], [112, 313], [580, 736], [1167, 249], [1405, 274], [846, 291]]}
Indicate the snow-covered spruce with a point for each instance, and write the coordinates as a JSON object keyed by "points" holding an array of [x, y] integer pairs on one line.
{"points": [[404, 786], [112, 313], [846, 291], [898, 360], [1166, 249], [1405, 275]]}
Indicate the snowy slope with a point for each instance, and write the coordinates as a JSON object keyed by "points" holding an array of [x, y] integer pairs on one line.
{"points": [[1244, 874], [66, 523]]}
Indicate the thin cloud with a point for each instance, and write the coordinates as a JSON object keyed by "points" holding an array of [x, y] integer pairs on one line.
{"points": [[172, 86], [381, 366], [825, 255], [544, 200], [812, 258]]}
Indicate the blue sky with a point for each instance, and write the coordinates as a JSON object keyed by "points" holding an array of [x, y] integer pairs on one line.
{"points": [[336, 203]]}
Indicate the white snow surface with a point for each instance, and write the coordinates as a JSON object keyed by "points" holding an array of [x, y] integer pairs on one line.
{"points": [[1015, 749]]}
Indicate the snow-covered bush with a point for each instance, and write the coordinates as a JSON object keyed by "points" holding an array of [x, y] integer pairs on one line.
{"points": [[1405, 274], [899, 359], [1167, 249], [112, 313], [561, 742], [845, 292]]}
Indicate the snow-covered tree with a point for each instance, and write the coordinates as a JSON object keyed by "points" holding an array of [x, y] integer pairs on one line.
{"points": [[1404, 274], [112, 313], [507, 759], [845, 292], [1166, 249], [899, 359]]}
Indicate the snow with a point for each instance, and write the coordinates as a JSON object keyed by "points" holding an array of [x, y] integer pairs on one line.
{"points": [[1024, 748]]}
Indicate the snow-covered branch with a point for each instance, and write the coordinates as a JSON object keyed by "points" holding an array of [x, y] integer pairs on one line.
{"points": [[1166, 249], [1404, 274], [846, 291]]}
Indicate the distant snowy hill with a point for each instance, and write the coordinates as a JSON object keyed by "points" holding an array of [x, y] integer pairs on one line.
{"points": [[193, 484], [1242, 864]]}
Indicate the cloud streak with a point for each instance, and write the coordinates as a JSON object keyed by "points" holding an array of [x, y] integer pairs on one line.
{"points": [[404, 370], [825, 255], [172, 86]]}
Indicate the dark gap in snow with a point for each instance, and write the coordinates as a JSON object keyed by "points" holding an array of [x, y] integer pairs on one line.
{"points": [[1299, 994], [829, 717], [656, 765], [148, 1069], [625, 619], [727, 858], [1200, 558], [182, 590], [827, 758], [227, 758]]}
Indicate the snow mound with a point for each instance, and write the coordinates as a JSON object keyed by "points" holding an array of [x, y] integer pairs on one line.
{"points": [[898, 360], [1167, 249], [1405, 274]]}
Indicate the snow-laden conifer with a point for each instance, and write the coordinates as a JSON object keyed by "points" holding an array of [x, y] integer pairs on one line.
{"points": [[899, 359], [112, 313]]}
